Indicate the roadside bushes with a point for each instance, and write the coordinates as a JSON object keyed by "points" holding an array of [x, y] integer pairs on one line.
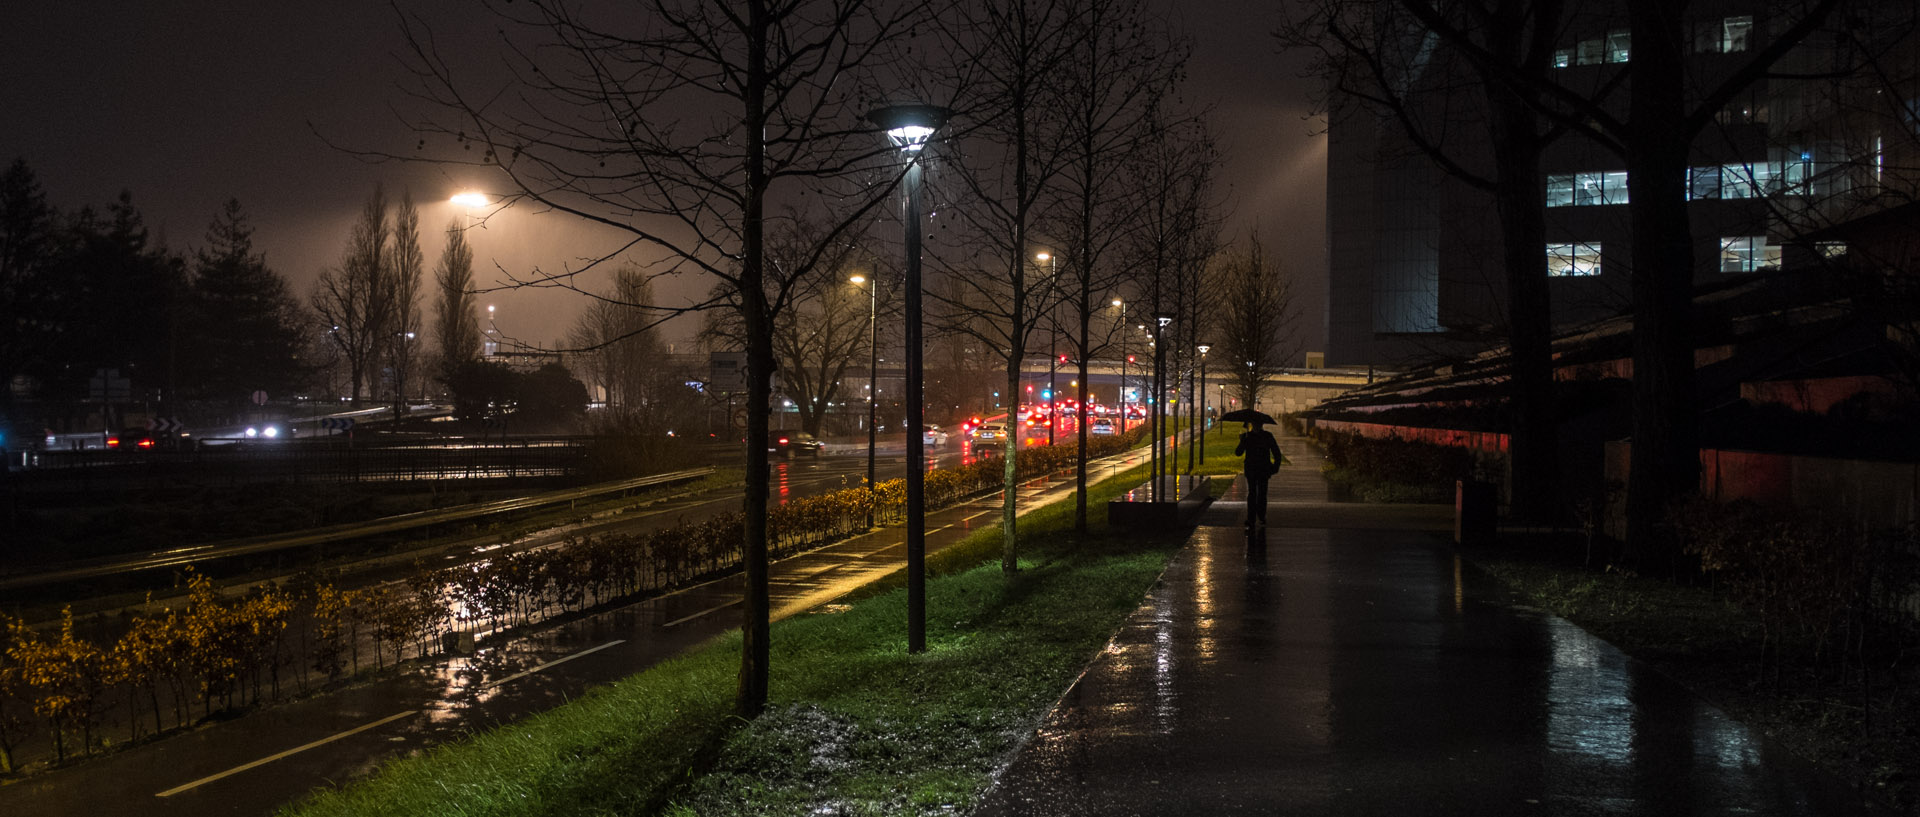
{"points": [[1396, 470], [222, 652], [1828, 595]]}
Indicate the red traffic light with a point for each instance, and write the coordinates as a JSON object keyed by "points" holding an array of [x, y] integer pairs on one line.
{"points": [[1129, 358]]}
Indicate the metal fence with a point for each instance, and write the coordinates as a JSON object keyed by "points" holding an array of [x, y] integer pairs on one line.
{"points": [[304, 462]]}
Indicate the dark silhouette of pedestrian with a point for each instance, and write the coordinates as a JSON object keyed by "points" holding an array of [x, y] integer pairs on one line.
{"points": [[1261, 458]]}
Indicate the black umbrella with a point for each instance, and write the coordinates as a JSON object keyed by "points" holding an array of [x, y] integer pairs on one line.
{"points": [[1247, 416]]}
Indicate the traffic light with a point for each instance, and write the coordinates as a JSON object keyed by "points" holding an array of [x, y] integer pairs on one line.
{"points": [[1130, 359], [1063, 358]]}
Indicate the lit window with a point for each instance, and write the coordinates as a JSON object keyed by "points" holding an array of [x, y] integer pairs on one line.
{"points": [[1619, 46], [1560, 190], [1703, 183], [1590, 52], [1573, 260], [1587, 189], [1832, 249], [1613, 187], [1748, 254], [1734, 33], [1562, 57]]}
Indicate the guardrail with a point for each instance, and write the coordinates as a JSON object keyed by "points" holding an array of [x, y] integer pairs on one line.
{"points": [[182, 557]]}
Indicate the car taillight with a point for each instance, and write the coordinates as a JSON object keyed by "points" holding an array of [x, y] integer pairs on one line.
{"points": [[783, 441], [113, 442], [146, 443]]}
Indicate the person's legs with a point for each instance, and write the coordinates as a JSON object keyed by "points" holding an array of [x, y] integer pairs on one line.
{"points": [[1256, 499]]}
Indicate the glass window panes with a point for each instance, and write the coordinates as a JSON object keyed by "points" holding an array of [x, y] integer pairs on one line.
{"points": [[1573, 260], [1748, 253], [1587, 189], [1832, 249], [1703, 182], [1613, 186], [1589, 52], [1562, 57], [1735, 33], [1559, 190], [1619, 46]]}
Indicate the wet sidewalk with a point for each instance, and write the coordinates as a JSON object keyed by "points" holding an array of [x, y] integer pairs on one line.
{"points": [[1359, 670]]}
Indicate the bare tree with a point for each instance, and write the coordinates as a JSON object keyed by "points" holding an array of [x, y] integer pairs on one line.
{"points": [[1470, 119], [619, 345], [1254, 309], [355, 299], [677, 125], [409, 265], [1011, 55], [1118, 89], [457, 330]]}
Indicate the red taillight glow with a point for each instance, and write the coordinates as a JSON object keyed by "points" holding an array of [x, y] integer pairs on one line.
{"points": [[113, 442], [146, 443], [783, 441]]}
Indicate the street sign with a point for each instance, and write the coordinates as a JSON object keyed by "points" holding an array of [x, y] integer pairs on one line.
{"points": [[259, 398], [107, 384], [337, 423], [166, 425], [727, 372]]}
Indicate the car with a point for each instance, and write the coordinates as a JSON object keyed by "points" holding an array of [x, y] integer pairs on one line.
{"points": [[991, 432], [1101, 425], [933, 436], [1039, 419], [789, 443]]}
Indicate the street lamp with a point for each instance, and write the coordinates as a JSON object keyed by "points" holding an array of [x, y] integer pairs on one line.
{"points": [[873, 377], [1122, 396], [909, 127], [1202, 391], [1053, 356], [1159, 455], [492, 346]]}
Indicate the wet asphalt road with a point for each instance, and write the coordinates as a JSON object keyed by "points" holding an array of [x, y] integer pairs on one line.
{"points": [[255, 764], [1327, 668]]}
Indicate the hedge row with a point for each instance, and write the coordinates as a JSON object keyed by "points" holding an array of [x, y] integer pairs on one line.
{"points": [[219, 653]]}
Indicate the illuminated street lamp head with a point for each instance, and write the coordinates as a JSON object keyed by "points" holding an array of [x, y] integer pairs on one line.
{"points": [[909, 126], [1204, 347], [471, 199], [1043, 256], [857, 278], [1164, 318], [1117, 302]]}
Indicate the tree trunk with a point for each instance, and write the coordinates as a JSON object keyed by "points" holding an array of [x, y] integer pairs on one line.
{"points": [[1665, 449], [751, 698], [1520, 198]]}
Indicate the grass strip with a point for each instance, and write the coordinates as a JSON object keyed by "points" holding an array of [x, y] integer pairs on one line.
{"points": [[855, 725]]}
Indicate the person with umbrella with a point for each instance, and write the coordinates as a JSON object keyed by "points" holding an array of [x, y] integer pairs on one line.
{"points": [[1260, 455]]}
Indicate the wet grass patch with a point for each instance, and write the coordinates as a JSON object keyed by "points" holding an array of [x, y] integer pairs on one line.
{"points": [[855, 725], [1696, 635]]}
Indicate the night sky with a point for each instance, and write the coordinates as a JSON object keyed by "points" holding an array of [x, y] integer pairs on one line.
{"points": [[188, 104]]}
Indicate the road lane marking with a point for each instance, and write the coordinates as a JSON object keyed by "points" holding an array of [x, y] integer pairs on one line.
{"points": [[519, 675], [294, 751], [684, 619]]}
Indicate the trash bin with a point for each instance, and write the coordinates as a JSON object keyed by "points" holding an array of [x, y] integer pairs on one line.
{"points": [[1474, 511]]}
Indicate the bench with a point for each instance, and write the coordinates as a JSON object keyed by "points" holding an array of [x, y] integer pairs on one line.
{"points": [[1181, 498]]}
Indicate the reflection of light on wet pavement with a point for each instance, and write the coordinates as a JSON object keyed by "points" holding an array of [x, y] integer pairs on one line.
{"points": [[1588, 713]]}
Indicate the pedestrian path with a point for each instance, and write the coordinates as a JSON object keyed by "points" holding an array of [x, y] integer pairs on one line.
{"points": [[1349, 670]]}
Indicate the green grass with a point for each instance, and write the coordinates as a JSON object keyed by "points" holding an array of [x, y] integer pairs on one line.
{"points": [[855, 724]]}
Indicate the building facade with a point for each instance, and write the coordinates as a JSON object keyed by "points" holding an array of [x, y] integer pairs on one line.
{"points": [[1415, 264]]}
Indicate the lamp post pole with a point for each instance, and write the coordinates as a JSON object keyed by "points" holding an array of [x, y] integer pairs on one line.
{"points": [[909, 127], [1053, 356], [1201, 390], [1121, 398], [873, 384], [1160, 322]]}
